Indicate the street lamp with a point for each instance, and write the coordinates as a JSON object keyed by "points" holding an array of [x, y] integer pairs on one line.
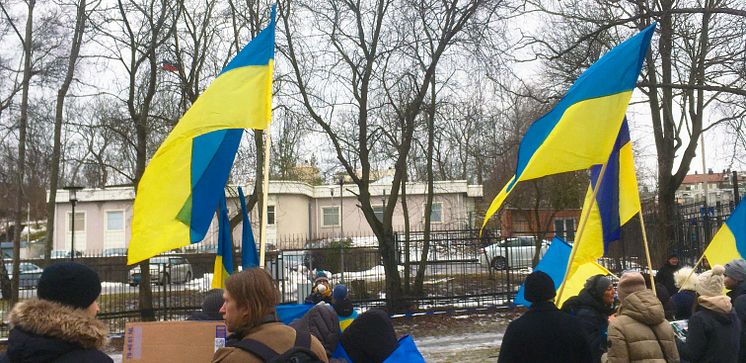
{"points": [[72, 196], [341, 181]]}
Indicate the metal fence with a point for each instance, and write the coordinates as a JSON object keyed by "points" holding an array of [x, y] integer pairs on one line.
{"points": [[460, 270]]}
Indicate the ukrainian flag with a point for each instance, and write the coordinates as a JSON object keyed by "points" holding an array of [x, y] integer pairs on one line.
{"points": [[183, 183], [617, 201], [730, 241], [580, 130], [224, 258]]}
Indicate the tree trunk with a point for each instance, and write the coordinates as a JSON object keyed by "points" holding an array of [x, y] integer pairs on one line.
{"points": [[405, 211], [58, 114], [420, 278], [145, 296]]}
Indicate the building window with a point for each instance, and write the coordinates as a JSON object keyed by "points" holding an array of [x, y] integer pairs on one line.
{"points": [[79, 222], [436, 213], [565, 229], [329, 216], [114, 221], [270, 214], [378, 210]]}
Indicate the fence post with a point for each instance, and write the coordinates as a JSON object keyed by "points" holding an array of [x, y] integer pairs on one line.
{"points": [[734, 180], [342, 261]]}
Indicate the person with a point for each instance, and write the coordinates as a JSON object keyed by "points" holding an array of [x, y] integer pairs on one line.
{"points": [[593, 306], [250, 297], [60, 325], [342, 305], [640, 331], [370, 338], [322, 322], [210, 306], [735, 281], [686, 295], [665, 273], [663, 294], [544, 333], [321, 290], [714, 331]]}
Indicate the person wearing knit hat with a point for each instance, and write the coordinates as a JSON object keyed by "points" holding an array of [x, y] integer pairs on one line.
{"points": [[683, 300], [640, 331], [211, 305], [593, 306], [321, 290], [342, 305], [60, 325], [543, 333], [665, 272], [714, 330], [735, 281]]}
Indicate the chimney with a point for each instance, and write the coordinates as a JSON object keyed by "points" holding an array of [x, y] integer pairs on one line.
{"points": [[709, 171], [695, 172]]}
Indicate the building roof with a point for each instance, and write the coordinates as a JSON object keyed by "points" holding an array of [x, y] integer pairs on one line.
{"points": [[710, 178], [290, 187]]}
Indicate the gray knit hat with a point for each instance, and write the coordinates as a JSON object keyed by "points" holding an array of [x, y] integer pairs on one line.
{"points": [[736, 269]]}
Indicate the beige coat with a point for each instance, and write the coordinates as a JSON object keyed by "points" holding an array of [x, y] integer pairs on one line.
{"points": [[632, 335], [277, 336]]}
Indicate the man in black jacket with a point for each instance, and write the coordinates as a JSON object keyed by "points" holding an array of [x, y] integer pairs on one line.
{"points": [[61, 325], [665, 273], [544, 334]]}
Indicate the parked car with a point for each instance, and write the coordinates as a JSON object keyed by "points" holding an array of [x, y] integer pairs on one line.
{"points": [[511, 252], [60, 254], [108, 252], [30, 274], [284, 262], [164, 270]]}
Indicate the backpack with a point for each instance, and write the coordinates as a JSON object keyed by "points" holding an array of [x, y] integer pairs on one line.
{"points": [[300, 353]]}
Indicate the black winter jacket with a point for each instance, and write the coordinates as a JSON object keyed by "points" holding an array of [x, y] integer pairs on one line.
{"points": [[738, 299], [545, 334], [665, 276], [44, 331], [594, 320], [322, 322], [713, 337]]}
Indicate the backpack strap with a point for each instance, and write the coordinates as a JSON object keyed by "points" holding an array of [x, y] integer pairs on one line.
{"points": [[257, 348], [302, 339]]}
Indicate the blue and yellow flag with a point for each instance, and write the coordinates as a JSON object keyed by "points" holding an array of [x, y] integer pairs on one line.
{"points": [[180, 189], [249, 256], [617, 201], [554, 264], [224, 258], [730, 241], [580, 130]]}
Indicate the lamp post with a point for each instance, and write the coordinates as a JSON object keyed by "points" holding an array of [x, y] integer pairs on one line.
{"points": [[341, 181], [72, 196]]}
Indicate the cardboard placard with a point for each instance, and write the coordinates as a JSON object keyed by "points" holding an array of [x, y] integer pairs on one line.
{"points": [[172, 341]]}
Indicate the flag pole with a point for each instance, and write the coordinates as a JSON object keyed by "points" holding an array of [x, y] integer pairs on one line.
{"points": [[693, 269], [581, 230], [265, 195], [647, 250]]}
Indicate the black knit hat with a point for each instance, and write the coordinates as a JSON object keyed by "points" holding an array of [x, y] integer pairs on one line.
{"points": [[212, 303], [69, 283], [539, 287]]}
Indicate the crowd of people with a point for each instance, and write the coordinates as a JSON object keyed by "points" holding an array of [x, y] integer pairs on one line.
{"points": [[60, 325], [631, 323]]}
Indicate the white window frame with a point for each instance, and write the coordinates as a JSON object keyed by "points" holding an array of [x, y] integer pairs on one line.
{"points": [[106, 231], [271, 221], [68, 221], [82, 234], [376, 211], [442, 213], [323, 224]]}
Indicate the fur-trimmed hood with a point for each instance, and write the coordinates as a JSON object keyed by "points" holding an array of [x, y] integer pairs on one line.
{"points": [[684, 281], [53, 320]]}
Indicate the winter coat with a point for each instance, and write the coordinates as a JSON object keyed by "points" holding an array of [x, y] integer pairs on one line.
{"points": [[594, 320], [738, 299], [664, 296], [684, 301], [277, 336], [370, 338], [713, 333], [545, 334], [665, 276], [640, 332], [322, 322], [45, 331]]}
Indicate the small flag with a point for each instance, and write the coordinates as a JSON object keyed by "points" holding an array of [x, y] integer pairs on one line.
{"points": [[249, 256], [224, 257], [170, 66]]}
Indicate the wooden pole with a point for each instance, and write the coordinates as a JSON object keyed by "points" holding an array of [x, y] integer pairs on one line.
{"points": [[647, 250], [581, 230], [265, 199]]}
